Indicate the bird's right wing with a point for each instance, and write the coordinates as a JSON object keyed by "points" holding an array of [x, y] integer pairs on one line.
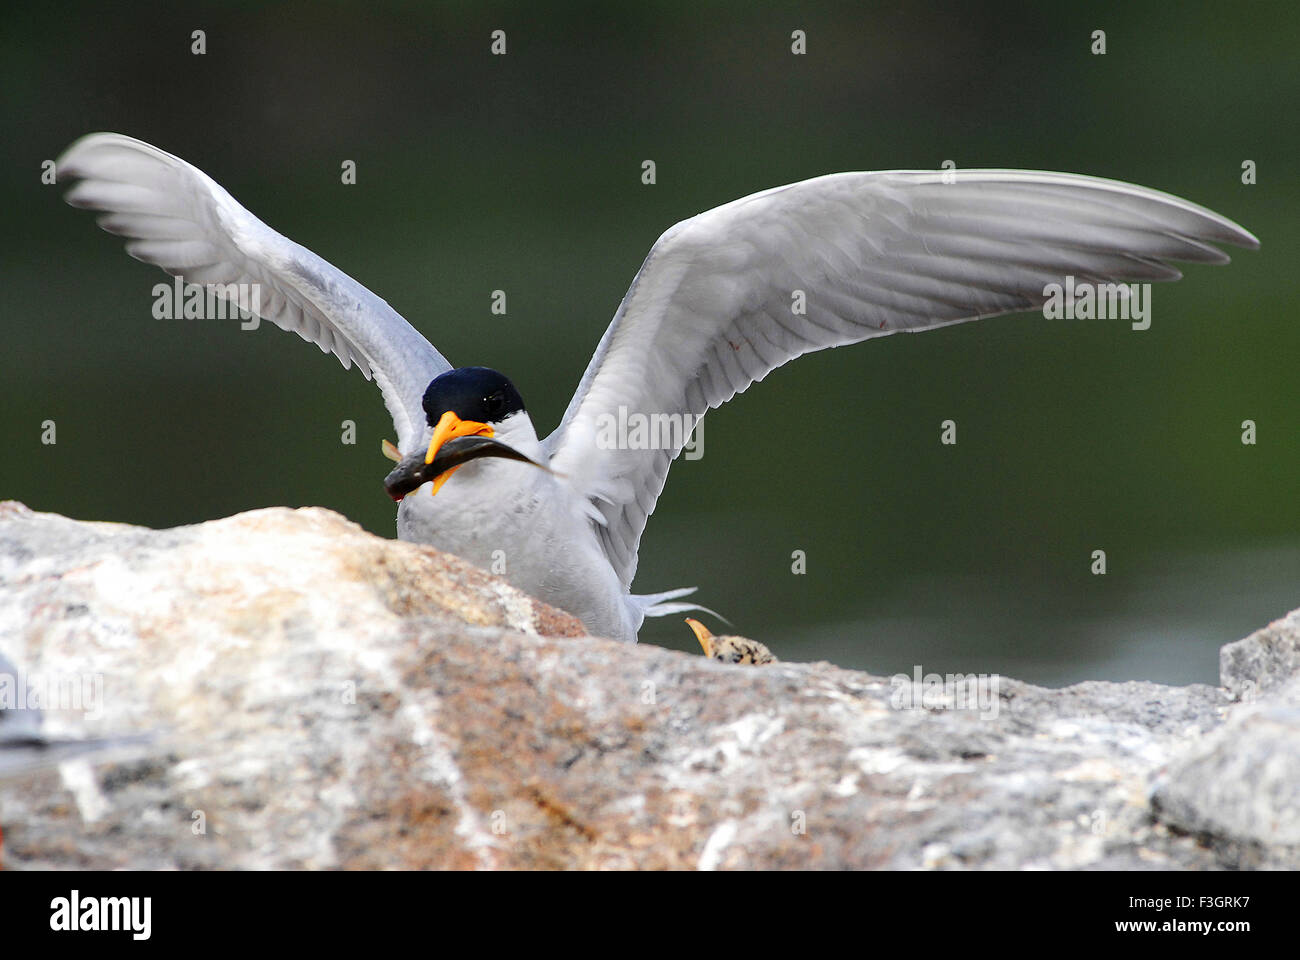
{"points": [[713, 308], [177, 217]]}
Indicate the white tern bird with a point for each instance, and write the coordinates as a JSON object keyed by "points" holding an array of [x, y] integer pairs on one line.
{"points": [[721, 300]]}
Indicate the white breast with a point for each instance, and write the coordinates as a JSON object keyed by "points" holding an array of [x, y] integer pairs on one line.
{"points": [[528, 526]]}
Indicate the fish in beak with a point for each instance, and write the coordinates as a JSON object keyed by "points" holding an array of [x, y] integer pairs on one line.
{"points": [[455, 443]]}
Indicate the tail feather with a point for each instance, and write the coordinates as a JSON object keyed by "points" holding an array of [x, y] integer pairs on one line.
{"points": [[655, 605]]}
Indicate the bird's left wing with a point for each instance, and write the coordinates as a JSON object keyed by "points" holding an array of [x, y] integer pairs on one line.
{"points": [[177, 217], [729, 295]]}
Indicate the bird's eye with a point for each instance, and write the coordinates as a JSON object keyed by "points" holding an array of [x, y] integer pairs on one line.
{"points": [[494, 402]]}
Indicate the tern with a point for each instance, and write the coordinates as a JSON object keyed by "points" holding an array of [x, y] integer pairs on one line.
{"points": [[722, 299]]}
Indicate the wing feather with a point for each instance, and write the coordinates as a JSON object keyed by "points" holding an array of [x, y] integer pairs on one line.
{"points": [[176, 217], [710, 310]]}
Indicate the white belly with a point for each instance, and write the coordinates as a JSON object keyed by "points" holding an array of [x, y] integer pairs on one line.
{"points": [[525, 525]]}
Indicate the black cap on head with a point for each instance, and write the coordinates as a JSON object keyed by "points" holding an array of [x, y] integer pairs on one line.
{"points": [[472, 393]]}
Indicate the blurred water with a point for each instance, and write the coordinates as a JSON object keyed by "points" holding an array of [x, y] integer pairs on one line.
{"points": [[1170, 632]]}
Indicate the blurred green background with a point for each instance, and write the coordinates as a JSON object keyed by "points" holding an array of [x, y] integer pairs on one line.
{"points": [[522, 173]]}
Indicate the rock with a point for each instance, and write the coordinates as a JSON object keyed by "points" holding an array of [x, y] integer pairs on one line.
{"points": [[1263, 661], [315, 696], [1238, 789]]}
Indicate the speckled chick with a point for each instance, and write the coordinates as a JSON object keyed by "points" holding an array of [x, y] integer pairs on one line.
{"points": [[730, 649]]}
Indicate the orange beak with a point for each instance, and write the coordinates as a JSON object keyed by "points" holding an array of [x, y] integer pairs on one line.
{"points": [[702, 634], [449, 427]]}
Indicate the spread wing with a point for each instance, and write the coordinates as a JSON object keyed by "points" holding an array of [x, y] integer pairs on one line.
{"points": [[178, 218], [714, 306]]}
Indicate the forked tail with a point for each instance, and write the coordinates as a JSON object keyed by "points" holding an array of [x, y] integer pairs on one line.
{"points": [[654, 605]]}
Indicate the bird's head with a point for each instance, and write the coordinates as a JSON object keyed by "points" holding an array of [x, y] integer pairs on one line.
{"points": [[477, 395], [473, 412]]}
